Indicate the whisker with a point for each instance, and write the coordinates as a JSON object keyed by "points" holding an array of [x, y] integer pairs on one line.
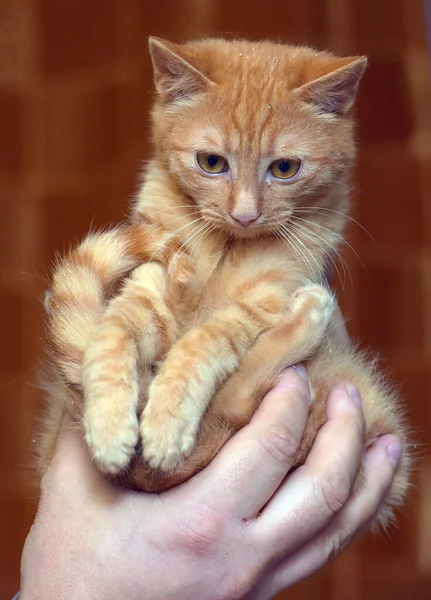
{"points": [[299, 255], [315, 239], [317, 208], [189, 236], [191, 214], [219, 234], [163, 225], [44, 279], [340, 237], [319, 268], [305, 231], [174, 233], [184, 244], [287, 243], [201, 238], [351, 188], [178, 207], [288, 232]]}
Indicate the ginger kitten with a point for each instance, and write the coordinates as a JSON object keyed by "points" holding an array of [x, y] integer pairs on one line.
{"points": [[167, 331]]}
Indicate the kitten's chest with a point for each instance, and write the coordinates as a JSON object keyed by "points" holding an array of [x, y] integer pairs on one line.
{"points": [[219, 277], [198, 299]]}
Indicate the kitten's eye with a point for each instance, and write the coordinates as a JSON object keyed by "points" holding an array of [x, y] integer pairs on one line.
{"points": [[285, 168], [211, 163]]}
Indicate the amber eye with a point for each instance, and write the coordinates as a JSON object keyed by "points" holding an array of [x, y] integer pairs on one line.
{"points": [[285, 168], [211, 163]]}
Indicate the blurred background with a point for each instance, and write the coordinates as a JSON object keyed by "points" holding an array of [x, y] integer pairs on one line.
{"points": [[75, 89]]}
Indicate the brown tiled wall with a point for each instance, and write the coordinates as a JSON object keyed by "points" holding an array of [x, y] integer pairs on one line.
{"points": [[75, 87]]}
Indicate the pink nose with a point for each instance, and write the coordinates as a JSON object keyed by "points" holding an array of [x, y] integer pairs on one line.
{"points": [[245, 220]]}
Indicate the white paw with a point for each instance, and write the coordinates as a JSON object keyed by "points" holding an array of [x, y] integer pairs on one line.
{"points": [[166, 439], [111, 438], [318, 303]]}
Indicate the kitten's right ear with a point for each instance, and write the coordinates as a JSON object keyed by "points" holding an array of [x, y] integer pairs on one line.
{"points": [[175, 77], [335, 92]]}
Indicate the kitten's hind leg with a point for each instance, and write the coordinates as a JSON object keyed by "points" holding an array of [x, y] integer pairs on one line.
{"points": [[84, 280], [136, 330]]}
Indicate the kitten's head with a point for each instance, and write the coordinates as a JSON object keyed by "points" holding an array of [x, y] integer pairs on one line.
{"points": [[255, 133]]}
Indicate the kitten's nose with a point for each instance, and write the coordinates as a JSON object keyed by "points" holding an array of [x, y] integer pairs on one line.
{"points": [[246, 219]]}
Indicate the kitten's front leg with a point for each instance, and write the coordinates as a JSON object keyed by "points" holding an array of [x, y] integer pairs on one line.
{"points": [[181, 391], [205, 357], [333, 361], [301, 332], [136, 330]]}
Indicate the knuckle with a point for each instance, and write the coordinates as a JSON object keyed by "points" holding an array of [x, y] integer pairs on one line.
{"points": [[358, 418], [200, 534], [335, 490], [299, 389], [335, 543], [294, 388], [234, 586], [379, 495], [281, 443]]}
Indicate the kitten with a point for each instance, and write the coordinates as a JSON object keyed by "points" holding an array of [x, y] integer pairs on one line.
{"points": [[221, 267]]}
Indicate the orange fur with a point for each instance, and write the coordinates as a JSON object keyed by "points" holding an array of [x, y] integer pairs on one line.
{"points": [[210, 310]]}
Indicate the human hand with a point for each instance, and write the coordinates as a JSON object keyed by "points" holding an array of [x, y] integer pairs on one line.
{"points": [[238, 529]]}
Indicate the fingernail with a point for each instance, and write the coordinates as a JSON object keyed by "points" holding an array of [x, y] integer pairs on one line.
{"points": [[301, 371], [353, 392], [283, 379], [395, 452]]}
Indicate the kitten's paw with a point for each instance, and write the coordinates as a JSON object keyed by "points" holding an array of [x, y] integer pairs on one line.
{"points": [[112, 438], [167, 438], [316, 303]]}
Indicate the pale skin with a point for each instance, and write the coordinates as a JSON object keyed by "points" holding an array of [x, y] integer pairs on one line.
{"points": [[238, 529]]}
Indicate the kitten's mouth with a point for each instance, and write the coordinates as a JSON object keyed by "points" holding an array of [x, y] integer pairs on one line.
{"points": [[246, 232]]}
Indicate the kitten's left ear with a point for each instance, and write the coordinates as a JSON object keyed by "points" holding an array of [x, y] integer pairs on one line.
{"points": [[335, 92], [174, 76]]}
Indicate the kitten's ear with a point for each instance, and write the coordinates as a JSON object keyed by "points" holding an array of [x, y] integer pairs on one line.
{"points": [[174, 76], [335, 92]]}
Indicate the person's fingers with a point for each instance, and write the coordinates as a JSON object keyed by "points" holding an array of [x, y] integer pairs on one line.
{"points": [[71, 465], [311, 495], [380, 463], [252, 465]]}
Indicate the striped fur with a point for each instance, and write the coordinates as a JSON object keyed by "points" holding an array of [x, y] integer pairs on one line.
{"points": [[173, 326]]}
